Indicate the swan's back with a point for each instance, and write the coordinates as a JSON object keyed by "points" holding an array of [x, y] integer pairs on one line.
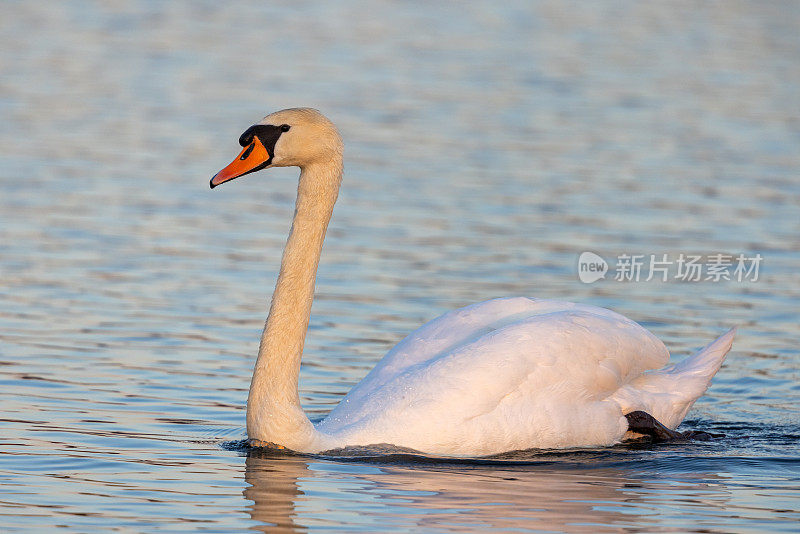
{"points": [[532, 373]]}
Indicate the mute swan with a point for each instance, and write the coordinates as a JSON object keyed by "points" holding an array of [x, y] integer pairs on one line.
{"points": [[502, 375]]}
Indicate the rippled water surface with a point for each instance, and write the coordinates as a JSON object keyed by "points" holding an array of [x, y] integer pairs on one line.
{"points": [[487, 146]]}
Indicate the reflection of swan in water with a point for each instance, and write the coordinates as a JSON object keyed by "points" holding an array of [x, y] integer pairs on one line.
{"points": [[273, 488], [290, 493], [502, 375]]}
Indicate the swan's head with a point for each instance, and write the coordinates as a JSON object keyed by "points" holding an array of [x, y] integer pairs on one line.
{"points": [[296, 137]]}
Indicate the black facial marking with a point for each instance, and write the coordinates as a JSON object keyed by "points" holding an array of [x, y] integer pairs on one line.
{"points": [[267, 133]]}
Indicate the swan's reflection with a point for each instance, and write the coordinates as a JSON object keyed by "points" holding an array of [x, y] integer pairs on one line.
{"points": [[274, 489], [290, 493]]}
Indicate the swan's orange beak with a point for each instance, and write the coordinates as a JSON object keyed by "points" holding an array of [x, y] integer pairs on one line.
{"points": [[253, 157]]}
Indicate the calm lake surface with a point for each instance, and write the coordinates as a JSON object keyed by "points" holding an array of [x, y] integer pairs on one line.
{"points": [[487, 147]]}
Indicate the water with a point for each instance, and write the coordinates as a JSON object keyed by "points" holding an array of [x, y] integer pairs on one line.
{"points": [[487, 147]]}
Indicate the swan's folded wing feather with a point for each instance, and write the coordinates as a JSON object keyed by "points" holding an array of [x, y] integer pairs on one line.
{"points": [[446, 333]]}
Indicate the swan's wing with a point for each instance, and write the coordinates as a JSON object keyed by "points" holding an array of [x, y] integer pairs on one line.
{"points": [[454, 329], [468, 370]]}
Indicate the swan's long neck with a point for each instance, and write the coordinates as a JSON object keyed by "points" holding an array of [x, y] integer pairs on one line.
{"points": [[274, 413]]}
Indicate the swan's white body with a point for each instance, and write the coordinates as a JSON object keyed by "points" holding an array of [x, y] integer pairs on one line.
{"points": [[518, 373], [502, 375]]}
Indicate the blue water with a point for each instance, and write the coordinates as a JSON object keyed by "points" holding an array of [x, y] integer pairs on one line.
{"points": [[487, 147]]}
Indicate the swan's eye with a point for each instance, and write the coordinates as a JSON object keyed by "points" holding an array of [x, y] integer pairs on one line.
{"points": [[247, 152], [285, 128]]}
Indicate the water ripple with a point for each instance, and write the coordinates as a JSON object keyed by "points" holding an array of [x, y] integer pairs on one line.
{"points": [[487, 147]]}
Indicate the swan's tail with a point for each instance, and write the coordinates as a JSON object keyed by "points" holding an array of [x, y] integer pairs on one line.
{"points": [[667, 394]]}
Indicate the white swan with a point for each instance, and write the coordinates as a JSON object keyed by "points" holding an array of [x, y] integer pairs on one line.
{"points": [[502, 375]]}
